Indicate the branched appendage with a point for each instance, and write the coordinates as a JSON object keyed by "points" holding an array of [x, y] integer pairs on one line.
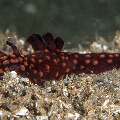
{"points": [[47, 41], [36, 41]]}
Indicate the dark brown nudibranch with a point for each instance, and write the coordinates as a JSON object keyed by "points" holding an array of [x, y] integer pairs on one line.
{"points": [[49, 62]]}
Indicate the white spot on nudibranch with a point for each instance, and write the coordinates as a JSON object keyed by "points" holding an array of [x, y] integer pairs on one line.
{"points": [[75, 61], [110, 56], [102, 56], [47, 68], [76, 55], [87, 55], [35, 71], [95, 62], [1, 71], [62, 57], [66, 58], [117, 55], [39, 60], [56, 74], [82, 67], [64, 64], [67, 70], [41, 74], [33, 60], [22, 67], [109, 61], [87, 61], [48, 57]]}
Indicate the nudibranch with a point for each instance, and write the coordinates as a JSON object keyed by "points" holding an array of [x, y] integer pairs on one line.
{"points": [[48, 61]]}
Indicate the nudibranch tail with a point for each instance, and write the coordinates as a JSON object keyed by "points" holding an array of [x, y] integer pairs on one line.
{"points": [[94, 62]]}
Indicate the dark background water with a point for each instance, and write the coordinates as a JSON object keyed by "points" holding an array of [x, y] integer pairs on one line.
{"points": [[77, 21]]}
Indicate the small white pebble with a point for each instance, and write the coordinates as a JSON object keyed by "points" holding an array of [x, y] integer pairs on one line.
{"points": [[41, 117], [105, 47], [105, 103], [48, 89], [53, 82], [117, 111], [13, 74], [73, 116], [24, 79], [22, 112], [65, 92], [1, 114], [21, 41]]}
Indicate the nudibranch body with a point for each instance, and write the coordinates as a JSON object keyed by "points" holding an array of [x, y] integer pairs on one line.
{"points": [[54, 66], [50, 62]]}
